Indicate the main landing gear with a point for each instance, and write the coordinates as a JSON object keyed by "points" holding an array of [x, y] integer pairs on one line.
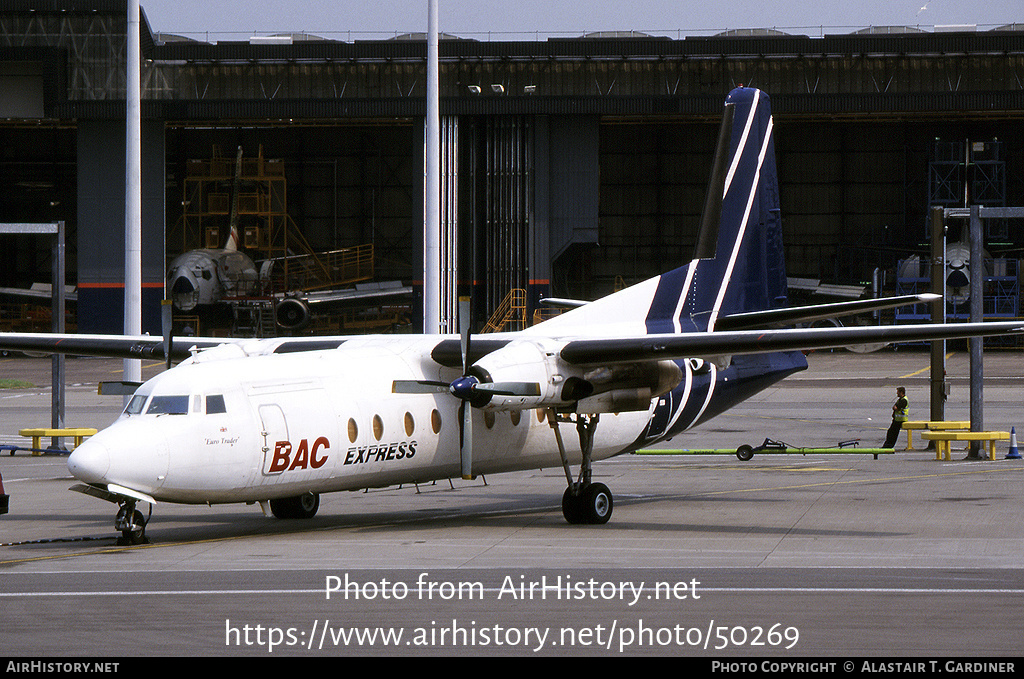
{"points": [[298, 507], [131, 523], [583, 501]]}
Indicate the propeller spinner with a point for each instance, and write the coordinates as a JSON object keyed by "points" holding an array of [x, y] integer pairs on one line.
{"points": [[468, 388]]}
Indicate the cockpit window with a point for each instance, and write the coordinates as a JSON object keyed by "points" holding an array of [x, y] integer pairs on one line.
{"points": [[168, 405], [215, 404], [135, 405]]}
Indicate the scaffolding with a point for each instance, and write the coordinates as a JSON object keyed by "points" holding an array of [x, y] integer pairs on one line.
{"points": [[250, 196]]}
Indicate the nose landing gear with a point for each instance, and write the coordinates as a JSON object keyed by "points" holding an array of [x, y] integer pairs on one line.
{"points": [[131, 523]]}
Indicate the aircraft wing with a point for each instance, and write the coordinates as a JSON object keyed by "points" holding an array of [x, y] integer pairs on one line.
{"points": [[112, 346], [295, 310], [710, 345], [148, 346], [362, 291], [38, 294], [577, 351]]}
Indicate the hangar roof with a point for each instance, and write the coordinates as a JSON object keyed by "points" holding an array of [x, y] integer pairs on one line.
{"points": [[892, 71]]}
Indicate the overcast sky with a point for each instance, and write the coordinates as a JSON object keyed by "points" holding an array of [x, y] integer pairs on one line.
{"points": [[471, 18]]}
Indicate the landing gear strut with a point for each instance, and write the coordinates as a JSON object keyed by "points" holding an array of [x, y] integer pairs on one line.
{"points": [[131, 523], [583, 500]]}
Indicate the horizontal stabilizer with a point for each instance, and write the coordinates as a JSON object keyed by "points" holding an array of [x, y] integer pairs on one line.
{"points": [[563, 303], [777, 318], [710, 345]]}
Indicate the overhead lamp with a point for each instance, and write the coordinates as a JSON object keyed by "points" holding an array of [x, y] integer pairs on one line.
{"points": [[498, 88], [475, 89]]}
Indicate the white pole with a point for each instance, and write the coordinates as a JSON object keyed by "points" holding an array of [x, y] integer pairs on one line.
{"points": [[133, 194], [432, 185]]}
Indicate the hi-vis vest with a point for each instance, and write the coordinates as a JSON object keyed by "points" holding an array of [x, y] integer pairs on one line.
{"points": [[902, 414]]}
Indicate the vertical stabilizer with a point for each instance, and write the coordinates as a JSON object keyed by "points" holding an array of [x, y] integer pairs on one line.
{"points": [[745, 270], [738, 264]]}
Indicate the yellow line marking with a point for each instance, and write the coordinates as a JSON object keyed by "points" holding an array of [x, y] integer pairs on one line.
{"points": [[144, 367], [916, 373]]}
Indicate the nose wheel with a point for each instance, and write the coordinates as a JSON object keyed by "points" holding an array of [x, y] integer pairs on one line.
{"points": [[132, 524]]}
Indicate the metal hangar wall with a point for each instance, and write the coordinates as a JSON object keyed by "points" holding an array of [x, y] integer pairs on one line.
{"points": [[575, 166]]}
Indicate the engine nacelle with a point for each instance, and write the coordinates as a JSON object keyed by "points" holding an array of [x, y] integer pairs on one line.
{"points": [[525, 362], [561, 385], [292, 313]]}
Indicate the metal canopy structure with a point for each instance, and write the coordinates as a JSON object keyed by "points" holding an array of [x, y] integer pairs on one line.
{"points": [[567, 161], [57, 291]]}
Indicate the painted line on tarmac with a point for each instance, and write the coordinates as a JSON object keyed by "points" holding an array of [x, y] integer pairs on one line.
{"points": [[708, 589]]}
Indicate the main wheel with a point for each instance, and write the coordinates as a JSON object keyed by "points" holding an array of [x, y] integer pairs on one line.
{"points": [[597, 503], [302, 506], [593, 504], [572, 506]]}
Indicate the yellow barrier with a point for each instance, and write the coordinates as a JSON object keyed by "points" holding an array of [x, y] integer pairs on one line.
{"points": [[942, 440], [909, 427], [78, 433]]}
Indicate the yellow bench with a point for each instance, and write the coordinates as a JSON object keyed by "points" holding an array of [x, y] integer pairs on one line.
{"points": [[942, 440], [78, 433], [930, 425]]}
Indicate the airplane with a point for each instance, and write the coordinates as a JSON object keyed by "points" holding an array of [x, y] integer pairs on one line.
{"points": [[281, 421], [204, 279], [205, 276]]}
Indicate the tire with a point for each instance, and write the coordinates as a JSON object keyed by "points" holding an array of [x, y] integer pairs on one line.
{"points": [[744, 452], [302, 506], [597, 503], [572, 507], [136, 536]]}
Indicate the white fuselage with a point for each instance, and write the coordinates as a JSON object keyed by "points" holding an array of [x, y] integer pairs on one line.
{"points": [[224, 427]]}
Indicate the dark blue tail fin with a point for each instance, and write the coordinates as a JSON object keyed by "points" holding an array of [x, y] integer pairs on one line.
{"points": [[747, 270]]}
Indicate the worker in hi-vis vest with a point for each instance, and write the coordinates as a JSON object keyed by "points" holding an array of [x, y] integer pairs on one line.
{"points": [[900, 414]]}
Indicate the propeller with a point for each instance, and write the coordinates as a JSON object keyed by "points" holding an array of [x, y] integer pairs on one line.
{"points": [[467, 388]]}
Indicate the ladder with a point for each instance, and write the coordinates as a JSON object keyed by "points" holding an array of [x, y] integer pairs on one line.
{"points": [[512, 310]]}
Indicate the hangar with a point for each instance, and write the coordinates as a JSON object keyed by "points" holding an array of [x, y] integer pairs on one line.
{"points": [[572, 165]]}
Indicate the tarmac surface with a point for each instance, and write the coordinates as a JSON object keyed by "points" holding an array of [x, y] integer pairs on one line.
{"points": [[836, 556]]}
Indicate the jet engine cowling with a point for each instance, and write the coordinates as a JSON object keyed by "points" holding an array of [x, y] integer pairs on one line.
{"points": [[292, 313]]}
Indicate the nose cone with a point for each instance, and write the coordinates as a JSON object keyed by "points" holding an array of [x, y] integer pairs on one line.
{"points": [[89, 462], [184, 288]]}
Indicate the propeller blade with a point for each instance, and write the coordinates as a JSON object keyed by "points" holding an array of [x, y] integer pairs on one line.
{"points": [[418, 387], [510, 388], [465, 328], [466, 440]]}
